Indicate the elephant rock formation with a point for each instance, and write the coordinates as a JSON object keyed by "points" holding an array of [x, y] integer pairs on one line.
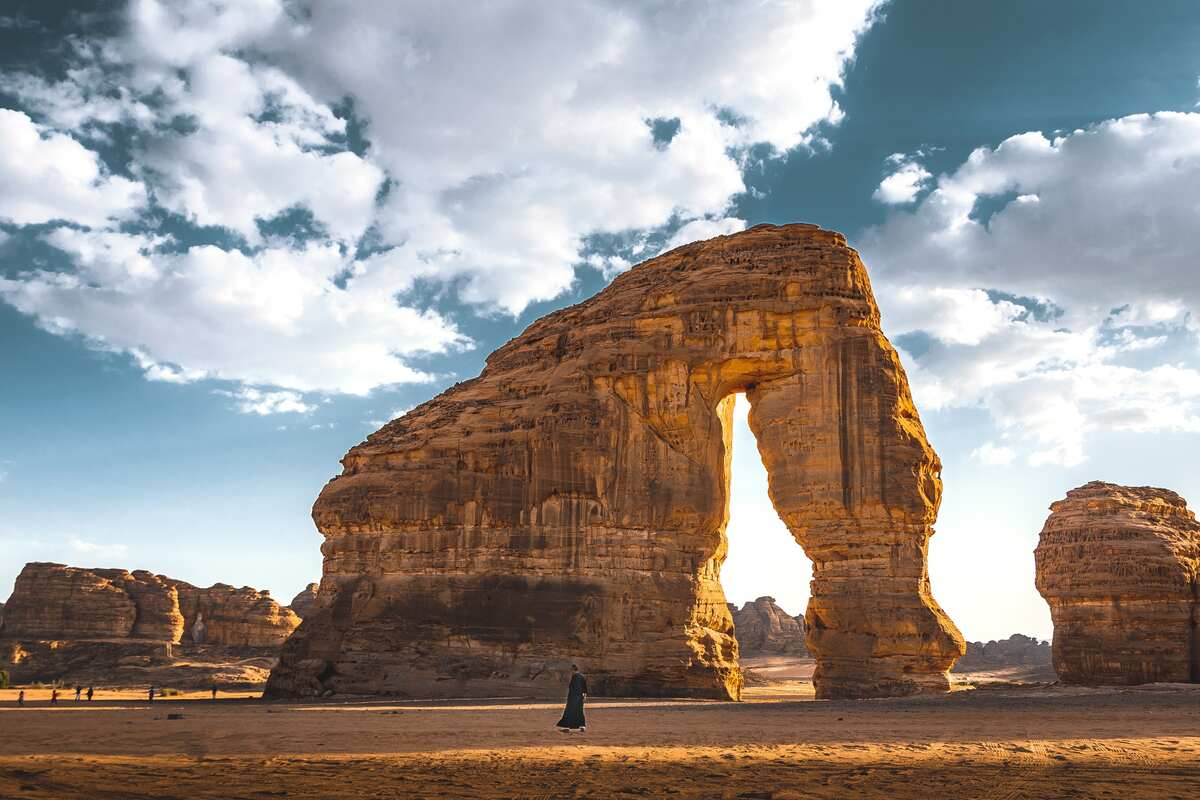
{"points": [[569, 504]]}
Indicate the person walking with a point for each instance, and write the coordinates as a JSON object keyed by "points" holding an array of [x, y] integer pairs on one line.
{"points": [[54, 697], [21, 697], [572, 718], [89, 694], [78, 691], [151, 694], [214, 691]]}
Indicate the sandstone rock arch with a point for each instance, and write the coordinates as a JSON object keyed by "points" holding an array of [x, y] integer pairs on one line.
{"points": [[569, 504]]}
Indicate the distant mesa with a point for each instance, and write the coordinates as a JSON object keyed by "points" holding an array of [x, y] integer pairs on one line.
{"points": [[569, 504], [62, 620], [54, 601], [1119, 568], [1017, 650], [763, 628], [304, 602]]}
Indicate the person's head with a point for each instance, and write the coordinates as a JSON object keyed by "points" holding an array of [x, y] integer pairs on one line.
{"points": [[574, 668]]}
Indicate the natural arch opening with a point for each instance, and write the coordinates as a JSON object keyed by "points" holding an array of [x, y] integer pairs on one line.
{"points": [[765, 575], [568, 506]]}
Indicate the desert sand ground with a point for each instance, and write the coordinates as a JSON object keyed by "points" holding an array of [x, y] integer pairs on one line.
{"points": [[1009, 741]]}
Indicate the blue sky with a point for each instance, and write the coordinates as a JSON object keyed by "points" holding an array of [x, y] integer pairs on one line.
{"points": [[237, 237]]}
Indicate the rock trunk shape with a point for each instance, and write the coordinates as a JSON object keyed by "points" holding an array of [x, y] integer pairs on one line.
{"points": [[762, 628], [1118, 566], [569, 504], [57, 602]]}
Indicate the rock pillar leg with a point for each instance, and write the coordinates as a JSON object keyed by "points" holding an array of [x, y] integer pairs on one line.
{"points": [[852, 476]]}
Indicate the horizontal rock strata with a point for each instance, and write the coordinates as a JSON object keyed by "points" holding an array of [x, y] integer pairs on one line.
{"points": [[1118, 566], [57, 602], [569, 504]]}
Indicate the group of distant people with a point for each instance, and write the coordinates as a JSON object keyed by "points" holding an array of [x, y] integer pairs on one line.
{"points": [[572, 719], [91, 692], [79, 694]]}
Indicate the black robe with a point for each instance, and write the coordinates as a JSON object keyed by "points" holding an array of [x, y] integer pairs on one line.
{"points": [[573, 714]]}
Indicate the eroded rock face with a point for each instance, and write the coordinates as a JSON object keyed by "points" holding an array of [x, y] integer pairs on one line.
{"points": [[764, 628], [57, 602], [304, 602], [569, 504], [1118, 566]]}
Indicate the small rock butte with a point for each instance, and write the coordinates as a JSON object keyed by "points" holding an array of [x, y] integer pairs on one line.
{"points": [[1118, 566], [569, 504], [763, 628]]}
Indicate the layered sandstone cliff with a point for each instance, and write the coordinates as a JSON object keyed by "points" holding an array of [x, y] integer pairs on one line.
{"points": [[569, 504], [57, 602], [304, 601], [1119, 568], [763, 628]]}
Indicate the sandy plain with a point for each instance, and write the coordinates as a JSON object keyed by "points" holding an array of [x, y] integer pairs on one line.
{"points": [[1000, 739]]}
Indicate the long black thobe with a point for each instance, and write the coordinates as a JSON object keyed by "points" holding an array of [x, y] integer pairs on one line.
{"points": [[573, 714]]}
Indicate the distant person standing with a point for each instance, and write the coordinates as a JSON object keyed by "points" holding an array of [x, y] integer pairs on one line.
{"points": [[89, 694], [572, 718], [21, 697], [54, 697], [78, 691], [151, 694], [214, 691]]}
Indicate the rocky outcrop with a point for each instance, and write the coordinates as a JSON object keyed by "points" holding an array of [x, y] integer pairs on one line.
{"points": [[133, 662], [569, 504], [57, 602], [1015, 651], [1119, 568], [304, 602], [763, 628]]}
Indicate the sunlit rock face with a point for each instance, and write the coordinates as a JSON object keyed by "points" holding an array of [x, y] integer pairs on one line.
{"points": [[1118, 566], [57, 602], [569, 504]]}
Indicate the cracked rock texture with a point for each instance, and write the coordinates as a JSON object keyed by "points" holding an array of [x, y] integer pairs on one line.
{"points": [[763, 628], [1118, 566], [569, 504], [57, 602]]}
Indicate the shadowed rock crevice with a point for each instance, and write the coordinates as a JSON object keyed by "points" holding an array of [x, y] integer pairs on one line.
{"points": [[569, 504]]}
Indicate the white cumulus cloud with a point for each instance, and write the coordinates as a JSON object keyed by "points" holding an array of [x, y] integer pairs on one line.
{"points": [[907, 179], [46, 176], [477, 149], [1054, 282]]}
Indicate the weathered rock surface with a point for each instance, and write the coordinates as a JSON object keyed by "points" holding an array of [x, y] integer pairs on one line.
{"points": [[1015, 651], [304, 602], [763, 628], [57, 602], [569, 504], [1118, 566]]}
